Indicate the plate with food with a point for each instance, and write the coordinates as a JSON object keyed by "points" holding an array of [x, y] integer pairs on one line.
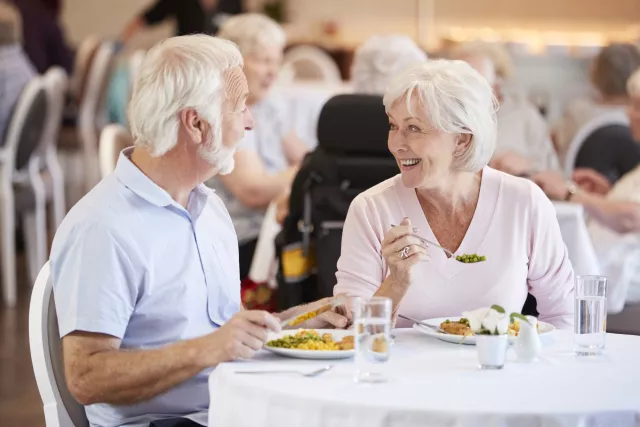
{"points": [[313, 344], [455, 329]]}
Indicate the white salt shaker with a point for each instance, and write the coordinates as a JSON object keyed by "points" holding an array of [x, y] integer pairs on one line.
{"points": [[528, 345]]}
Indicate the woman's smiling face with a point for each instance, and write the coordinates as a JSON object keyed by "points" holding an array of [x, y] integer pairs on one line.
{"points": [[424, 154]]}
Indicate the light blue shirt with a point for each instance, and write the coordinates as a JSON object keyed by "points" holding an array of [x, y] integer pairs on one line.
{"points": [[130, 262]]}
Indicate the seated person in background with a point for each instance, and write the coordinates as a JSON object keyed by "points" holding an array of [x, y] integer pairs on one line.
{"points": [[268, 157], [442, 132], [375, 62], [610, 71], [192, 16], [15, 69], [380, 58], [523, 143], [44, 40], [615, 229], [145, 266]]}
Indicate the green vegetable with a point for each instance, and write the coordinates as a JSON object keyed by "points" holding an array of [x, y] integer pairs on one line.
{"points": [[470, 258]]}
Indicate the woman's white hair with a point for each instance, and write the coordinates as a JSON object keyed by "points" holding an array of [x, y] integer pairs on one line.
{"points": [[455, 98], [180, 73], [380, 58], [253, 31], [633, 84]]}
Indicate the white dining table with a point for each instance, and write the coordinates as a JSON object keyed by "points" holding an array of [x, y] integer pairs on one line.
{"points": [[576, 237], [434, 383]]}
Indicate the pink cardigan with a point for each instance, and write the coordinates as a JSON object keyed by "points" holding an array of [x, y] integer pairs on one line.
{"points": [[514, 226]]}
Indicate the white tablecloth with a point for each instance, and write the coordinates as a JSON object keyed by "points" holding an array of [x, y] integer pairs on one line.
{"points": [[433, 383], [576, 236]]}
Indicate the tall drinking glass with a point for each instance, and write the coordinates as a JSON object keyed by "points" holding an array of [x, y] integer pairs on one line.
{"points": [[372, 319], [590, 315]]}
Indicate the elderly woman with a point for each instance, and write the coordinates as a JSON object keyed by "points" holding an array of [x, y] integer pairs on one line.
{"points": [[523, 143], [267, 160], [615, 231], [607, 146], [442, 132]]}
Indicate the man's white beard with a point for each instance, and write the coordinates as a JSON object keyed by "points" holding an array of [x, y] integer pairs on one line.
{"points": [[221, 157]]}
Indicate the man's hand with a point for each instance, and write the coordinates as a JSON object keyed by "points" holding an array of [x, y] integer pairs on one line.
{"points": [[337, 318], [239, 338], [512, 163], [553, 184], [282, 208], [591, 181]]}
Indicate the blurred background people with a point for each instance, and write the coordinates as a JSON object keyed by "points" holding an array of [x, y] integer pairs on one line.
{"points": [[15, 69], [523, 143], [380, 58], [43, 36], [269, 156], [191, 16], [609, 147]]}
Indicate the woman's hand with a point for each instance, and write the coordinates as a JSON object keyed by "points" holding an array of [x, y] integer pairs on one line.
{"points": [[402, 250], [591, 181], [553, 184]]}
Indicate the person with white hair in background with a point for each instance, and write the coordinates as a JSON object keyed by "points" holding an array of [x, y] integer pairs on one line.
{"points": [[442, 132], [15, 69], [145, 266], [523, 145], [381, 58], [615, 212], [268, 158]]}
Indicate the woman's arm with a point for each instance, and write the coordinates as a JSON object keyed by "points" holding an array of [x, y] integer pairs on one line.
{"points": [[294, 148], [622, 217], [550, 275]]}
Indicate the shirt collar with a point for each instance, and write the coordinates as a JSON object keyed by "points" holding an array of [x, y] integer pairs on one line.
{"points": [[135, 180]]}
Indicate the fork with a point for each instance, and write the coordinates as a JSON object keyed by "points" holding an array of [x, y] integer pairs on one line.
{"points": [[304, 374], [421, 323], [431, 243]]}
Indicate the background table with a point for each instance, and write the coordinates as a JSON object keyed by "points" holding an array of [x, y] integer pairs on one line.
{"points": [[576, 236], [438, 384]]}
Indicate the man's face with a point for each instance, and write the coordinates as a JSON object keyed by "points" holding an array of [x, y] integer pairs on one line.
{"points": [[236, 118], [262, 68]]}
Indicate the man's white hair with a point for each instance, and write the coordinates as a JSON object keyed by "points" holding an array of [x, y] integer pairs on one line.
{"points": [[455, 98], [633, 84], [380, 58], [253, 31], [180, 73]]}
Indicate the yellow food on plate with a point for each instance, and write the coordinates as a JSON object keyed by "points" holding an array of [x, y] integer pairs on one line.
{"points": [[312, 340], [514, 328], [460, 327]]}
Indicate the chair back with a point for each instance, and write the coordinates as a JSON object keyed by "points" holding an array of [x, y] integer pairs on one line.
{"points": [[27, 125], [615, 117], [56, 83], [113, 139], [311, 63], [92, 111], [135, 65], [84, 58], [60, 408]]}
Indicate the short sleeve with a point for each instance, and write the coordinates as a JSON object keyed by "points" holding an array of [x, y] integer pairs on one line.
{"points": [[360, 267], [159, 11], [94, 283], [550, 276]]}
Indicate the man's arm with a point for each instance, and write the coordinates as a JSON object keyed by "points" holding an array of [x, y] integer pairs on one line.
{"points": [[98, 371], [294, 148], [157, 13], [250, 182]]}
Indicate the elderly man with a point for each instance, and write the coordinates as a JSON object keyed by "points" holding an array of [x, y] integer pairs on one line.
{"points": [[524, 144], [145, 267], [15, 69]]}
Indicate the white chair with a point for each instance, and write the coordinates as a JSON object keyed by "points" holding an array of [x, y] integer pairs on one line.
{"points": [[615, 117], [22, 191], [135, 64], [264, 264], [56, 84], [60, 408], [92, 113], [311, 63], [113, 139]]}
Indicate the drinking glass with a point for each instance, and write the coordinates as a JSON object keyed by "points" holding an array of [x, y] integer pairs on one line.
{"points": [[590, 315], [372, 320]]}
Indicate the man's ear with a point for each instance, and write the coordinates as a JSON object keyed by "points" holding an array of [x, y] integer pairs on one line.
{"points": [[193, 125]]}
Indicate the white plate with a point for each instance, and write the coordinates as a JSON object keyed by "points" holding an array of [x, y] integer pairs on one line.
{"points": [[544, 328], [312, 354]]}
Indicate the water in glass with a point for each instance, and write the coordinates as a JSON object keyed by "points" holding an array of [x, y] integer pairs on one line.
{"points": [[590, 324], [372, 338]]}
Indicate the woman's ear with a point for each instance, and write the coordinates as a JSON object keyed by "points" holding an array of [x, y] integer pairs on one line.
{"points": [[193, 125], [463, 142]]}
